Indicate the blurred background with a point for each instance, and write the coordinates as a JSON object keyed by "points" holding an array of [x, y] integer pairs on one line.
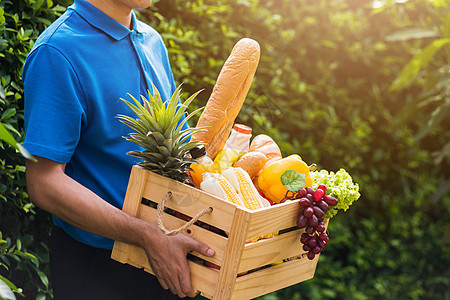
{"points": [[356, 84]]}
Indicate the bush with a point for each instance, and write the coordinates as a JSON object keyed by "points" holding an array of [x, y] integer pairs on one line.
{"points": [[23, 228], [322, 90]]}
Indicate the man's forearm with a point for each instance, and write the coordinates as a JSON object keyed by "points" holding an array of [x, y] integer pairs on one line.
{"points": [[52, 190]]}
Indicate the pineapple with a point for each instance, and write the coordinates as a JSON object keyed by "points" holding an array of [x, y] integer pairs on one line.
{"points": [[159, 131]]}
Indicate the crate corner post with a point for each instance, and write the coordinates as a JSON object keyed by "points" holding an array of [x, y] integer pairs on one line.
{"points": [[233, 253], [136, 186]]}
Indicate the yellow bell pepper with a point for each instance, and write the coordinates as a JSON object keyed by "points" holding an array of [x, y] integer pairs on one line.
{"points": [[269, 181]]}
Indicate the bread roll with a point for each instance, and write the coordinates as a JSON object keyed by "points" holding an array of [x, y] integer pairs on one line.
{"points": [[227, 96], [267, 146], [252, 162]]}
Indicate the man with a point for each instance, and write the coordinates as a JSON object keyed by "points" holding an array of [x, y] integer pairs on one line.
{"points": [[94, 54]]}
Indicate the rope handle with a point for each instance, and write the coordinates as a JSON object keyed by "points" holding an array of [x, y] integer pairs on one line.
{"points": [[182, 228]]}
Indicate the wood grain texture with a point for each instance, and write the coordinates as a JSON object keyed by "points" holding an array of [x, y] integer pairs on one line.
{"points": [[135, 189], [274, 218], [268, 251], [214, 240], [232, 256], [203, 279], [189, 200], [274, 278]]}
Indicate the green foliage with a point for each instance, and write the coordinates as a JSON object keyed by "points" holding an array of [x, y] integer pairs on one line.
{"points": [[340, 83], [24, 262], [322, 90]]}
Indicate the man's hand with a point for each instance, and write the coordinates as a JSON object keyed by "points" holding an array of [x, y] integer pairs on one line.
{"points": [[167, 257], [51, 189]]}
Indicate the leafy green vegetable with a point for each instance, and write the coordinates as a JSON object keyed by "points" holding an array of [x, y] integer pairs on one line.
{"points": [[339, 185], [293, 180]]}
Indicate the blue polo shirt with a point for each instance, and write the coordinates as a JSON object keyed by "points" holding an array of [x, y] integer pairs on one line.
{"points": [[74, 76]]}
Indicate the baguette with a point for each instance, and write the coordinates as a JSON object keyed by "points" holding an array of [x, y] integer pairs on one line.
{"points": [[227, 96]]}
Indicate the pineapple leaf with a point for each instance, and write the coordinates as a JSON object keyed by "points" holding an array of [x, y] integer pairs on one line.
{"points": [[172, 106], [143, 143], [158, 129], [186, 103], [159, 138], [132, 123], [184, 136], [178, 129], [164, 151], [147, 156]]}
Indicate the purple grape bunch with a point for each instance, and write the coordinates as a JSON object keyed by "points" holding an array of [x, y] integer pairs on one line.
{"points": [[313, 206]]}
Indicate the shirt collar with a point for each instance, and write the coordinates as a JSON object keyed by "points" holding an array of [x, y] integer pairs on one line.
{"points": [[100, 20]]}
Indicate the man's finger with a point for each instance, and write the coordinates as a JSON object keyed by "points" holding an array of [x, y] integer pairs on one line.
{"points": [[172, 287], [201, 248], [185, 280], [163, 283]]}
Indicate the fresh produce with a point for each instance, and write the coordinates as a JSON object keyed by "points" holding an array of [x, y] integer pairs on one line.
{"points": [[235, 185], [270, 181], [339, 186], [266, 145], [158, 129], [316, 204], [219, 186], [242, 183], [312, 211]]}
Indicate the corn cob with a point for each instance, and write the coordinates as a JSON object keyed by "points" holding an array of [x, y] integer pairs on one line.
{"points": [[245, 188], [217, 185]]}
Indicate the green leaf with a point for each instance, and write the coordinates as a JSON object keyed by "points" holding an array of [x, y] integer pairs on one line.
{"points": [[2, 94], [293, 180], [7, 137], [8, 113], [419, 61], [44, 279], [6, 289]]}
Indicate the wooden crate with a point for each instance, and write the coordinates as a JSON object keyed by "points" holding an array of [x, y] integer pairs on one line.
{"points": [[247, 270]]}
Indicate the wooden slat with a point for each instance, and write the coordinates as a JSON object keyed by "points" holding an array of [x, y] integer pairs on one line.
{"points": [[203, 279], [232, 256], [136, 186], [274, 278], [135, 189], [120, 252], [274, 218], [215, 241], [190, 200], [268, 251]]}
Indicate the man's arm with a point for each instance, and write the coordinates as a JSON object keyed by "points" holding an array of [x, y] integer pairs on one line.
{"points": [[52, 190]]}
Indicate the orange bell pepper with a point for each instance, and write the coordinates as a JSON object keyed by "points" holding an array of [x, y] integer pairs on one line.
{"points": [[269, 181]]}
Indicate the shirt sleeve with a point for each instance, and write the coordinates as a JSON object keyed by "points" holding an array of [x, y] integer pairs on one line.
{"points": [[55, 109]]}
